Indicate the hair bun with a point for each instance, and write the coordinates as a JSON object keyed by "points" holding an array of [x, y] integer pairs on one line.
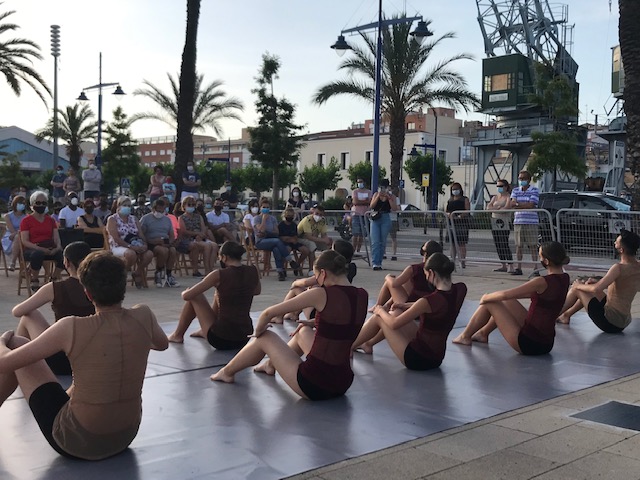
{"points": [[340, 261]]}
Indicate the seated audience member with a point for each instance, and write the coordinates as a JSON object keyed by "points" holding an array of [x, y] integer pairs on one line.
{"points": [[326, 372], [67, 298], [611, 312], [40, 239], [412, 283], [57, 207], [288, 232], [92, 226], [102, 208], [126, 240], [92, 420], [158, 231], [254, 210], [68, 217], [419, 346], [193, 237], [141, 208], [265, 230], [529, 332], [12, 220], [312, 231], [226, 323], [220, 224]]}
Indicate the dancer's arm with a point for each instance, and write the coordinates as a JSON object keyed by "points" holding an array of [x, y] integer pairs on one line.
{"points": [[314, 298], [210, 281], [604, 282], [537, 285], [418, 308], [401, 279], [54, 339], [43, 296], [304, 282]]}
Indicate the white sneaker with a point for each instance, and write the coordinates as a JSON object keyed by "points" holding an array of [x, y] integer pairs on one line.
{"points": [[171, 281], [158, 279]]}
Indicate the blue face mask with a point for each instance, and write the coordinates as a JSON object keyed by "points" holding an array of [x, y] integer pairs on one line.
{"points": [[166, 210], [190, 209], [265, 210], [523, 183], [500, 189], [125, 210], [20, 207]]}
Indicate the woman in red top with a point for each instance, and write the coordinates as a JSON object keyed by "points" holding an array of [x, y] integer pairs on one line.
{"points": [[40, 239], [326, 372], [529, 332], [420, 347]]}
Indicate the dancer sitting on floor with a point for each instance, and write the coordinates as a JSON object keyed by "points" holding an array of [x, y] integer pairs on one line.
{"points": [[225, 323], [345, 249], [411, 284], [612, 312], [92, 420], [326, 372], [419, 346], [529, 332], [66, 297]]}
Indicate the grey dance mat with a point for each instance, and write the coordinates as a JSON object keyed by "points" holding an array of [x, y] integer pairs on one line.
{"points": [[258, 429]]}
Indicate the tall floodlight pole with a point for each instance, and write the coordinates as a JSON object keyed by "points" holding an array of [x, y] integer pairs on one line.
{"points": [[55, 51]]}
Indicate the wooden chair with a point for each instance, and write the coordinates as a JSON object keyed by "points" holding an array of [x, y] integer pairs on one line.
{"points": [[261, 259], [107, 247], [3, 230], [24, 269]]}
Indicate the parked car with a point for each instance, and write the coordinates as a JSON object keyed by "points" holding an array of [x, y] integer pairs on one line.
{"points": [[589, 226]]}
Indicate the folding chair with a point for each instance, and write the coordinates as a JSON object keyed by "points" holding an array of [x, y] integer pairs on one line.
{"points": [[24, 270]]}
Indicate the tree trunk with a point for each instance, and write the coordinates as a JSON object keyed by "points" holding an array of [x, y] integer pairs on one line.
{"points": [[396, 144], [275, 189], [184, 140]]}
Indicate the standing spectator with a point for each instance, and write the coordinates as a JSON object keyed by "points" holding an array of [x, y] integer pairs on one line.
{"points": [[229, 196], [190, 182], [501, 224], [92, 226], [288, 232], [265, 229], [220, 224], [361, 201], [460, 220], [68, 217], [524, 198], [395, 226], [57, 181], [141, 206], [169, 189], [382, 204], [312, 232], [12, 220], [158, 231], [91, 178], [71, 183], [156, 182]]}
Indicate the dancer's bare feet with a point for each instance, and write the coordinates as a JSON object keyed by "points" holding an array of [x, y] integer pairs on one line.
{"points": [[370, 310], [279, 320], [480, 337], [197, 334], [265, 367], [221, 376], [563, 319], [291, 316], [364, 348], [175, 338], [462, 340]]}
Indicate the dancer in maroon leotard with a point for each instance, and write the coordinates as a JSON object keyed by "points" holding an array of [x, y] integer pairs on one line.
{"points": [[529, 332], [326, 372]]}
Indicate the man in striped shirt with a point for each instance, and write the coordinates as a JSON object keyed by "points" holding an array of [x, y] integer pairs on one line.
{"points": [[525, 198]]}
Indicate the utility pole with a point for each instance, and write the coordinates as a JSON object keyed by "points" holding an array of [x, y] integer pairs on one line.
{"points": [[55, 51]]}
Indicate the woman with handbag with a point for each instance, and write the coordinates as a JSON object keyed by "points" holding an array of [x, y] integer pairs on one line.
{"points": [[459, 235], [382, 203], [500, 224], [127, 241]]}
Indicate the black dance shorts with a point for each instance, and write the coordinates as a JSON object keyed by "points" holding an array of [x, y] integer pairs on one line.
{"points": [[595, 309], [414, 361], [313, 392], [223, 344], [528, 346], [45, 403]]}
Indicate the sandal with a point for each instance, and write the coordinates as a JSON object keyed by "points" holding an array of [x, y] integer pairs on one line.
{"points": [[137, 281]]}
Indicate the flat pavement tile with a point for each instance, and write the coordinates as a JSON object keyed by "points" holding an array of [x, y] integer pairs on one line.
{"points": [[540, 421], [599, 465]]}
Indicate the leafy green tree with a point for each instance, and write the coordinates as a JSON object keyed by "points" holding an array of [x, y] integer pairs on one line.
{"points": [[211, 105], [75, 125], [257, 179], [318, 178], [213, 178], [416, 166], [187, 93], [558, 149], [404, 88], [120, 157], [140, 180], [11, 174], [238, 179], [16, 60], [363, 170], [273, 143]]}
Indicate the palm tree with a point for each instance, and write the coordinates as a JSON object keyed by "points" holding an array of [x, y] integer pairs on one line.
{"points": [[211, 104], [16, 57], [630, 50], [75, 125], [187, 92], [404, 88]]}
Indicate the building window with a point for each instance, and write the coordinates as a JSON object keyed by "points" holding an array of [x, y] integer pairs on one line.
{"points": [[442, 155], [169, 152], [147, 153], [154, 153], [411, 126], [162, 152], [500, 82], [321, 158], [345, 159], [368, 156]]}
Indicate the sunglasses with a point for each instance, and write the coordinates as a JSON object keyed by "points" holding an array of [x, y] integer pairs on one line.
{"points": [[39, 203]]}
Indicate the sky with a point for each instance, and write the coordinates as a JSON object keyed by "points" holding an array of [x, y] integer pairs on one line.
{"points": [[143, 40]]}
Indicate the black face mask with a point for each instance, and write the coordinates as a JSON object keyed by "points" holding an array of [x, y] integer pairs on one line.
{"points": [[218, 208], [39, 208], [88, 210], [289, 219], [200, 208]]}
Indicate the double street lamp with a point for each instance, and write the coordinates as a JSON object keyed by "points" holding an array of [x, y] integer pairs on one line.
{"points": [[432, 179], [419, 34], [83, 97]]}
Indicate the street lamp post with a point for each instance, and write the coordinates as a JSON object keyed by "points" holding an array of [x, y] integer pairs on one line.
{"points": [[434, 146], [55, 51], [83, 97], [420, 33]]}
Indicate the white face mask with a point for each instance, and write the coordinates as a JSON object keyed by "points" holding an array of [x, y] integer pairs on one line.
{"points": [[254, 209], [190, 169], [74, 201], [317, 218], [296, 194], [92, 166], [158, 214]]}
